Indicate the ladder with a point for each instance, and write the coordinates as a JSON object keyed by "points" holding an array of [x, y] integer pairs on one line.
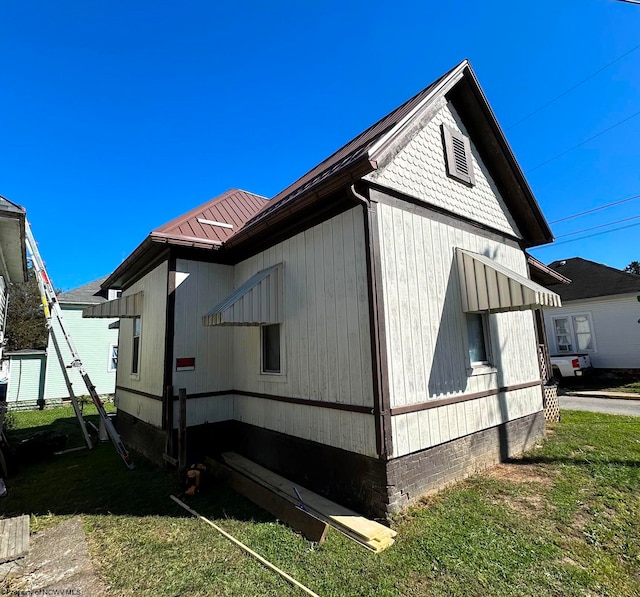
{"points": [[52, 309]]}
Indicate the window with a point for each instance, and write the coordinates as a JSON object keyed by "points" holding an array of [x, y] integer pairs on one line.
{"points": [[271, 348], [113, 294], [458, 152], [574, 333], [113, 357], [477, 336], [135, 353]]}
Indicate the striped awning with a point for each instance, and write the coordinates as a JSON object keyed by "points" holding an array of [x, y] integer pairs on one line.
{"points": [[125, 306], [256, 302], [489, 286]]}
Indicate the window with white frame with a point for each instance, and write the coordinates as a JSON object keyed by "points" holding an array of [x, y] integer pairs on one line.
{"points": [[135, 352], [574, 333], [478, 338], [271, 358], [113, 357]]}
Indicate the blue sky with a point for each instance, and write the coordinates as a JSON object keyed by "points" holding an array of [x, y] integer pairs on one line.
{"points": [[117, 116]]}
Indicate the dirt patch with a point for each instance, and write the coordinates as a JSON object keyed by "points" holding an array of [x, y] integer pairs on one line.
{"points": [[58, 563], [519, 473]]}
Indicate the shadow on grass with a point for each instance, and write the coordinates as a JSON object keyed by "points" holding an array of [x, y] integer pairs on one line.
{"points": [[97, 482], [573, 461]]}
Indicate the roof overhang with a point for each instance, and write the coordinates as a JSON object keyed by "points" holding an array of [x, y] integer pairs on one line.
{"points": [[489, 286], [13, 250], [543, 274], [125, 306], [256, 302]]}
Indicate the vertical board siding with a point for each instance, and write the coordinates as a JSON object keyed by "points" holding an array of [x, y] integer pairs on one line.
{"points": [[151, 371], [419, 170], [25, 378], [426, 337], [146, 409], [615, 329], [325, 338], [93, 340], [3, 312], [201, 411], [200, 287], [427, 428]]}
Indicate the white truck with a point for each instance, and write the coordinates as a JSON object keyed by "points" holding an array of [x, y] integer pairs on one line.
{"points": [[570, 366]]}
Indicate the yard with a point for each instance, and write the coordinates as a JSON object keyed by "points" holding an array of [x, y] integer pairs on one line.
{"points": [[564, 520]]}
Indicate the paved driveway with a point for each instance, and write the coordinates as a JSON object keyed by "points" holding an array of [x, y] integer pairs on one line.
{"points": [[612, 406]]}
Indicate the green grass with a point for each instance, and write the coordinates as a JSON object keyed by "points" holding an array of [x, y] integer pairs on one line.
{"points": [[563, 520], [631, 386]]}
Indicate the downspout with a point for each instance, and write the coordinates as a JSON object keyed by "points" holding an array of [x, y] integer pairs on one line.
{"points": [[381, 403]]}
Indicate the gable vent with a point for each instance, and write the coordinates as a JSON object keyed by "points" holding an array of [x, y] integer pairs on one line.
{"points": [[458, 154]]}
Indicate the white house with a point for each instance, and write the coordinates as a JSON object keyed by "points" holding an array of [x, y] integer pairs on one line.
{"points": [[368, 332], [13, 266], [600, 315]]}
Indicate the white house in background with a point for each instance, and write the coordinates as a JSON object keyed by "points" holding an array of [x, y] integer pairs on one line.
{"points": [[600, 314], [368, 332], [96, 341], [13, 267]]}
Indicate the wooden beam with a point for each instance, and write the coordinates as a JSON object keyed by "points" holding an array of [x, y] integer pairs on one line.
{"points": [[312, 528]]}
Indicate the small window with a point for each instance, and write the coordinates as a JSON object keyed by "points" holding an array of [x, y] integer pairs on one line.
{"points": [[477, 335], [563, 334], [135, 353], [271, 348], [458, 153], [113, 357], [113, 294]]}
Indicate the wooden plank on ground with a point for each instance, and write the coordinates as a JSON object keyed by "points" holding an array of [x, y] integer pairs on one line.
{"points": [[14, 538], [308, 525], [374, 535]]}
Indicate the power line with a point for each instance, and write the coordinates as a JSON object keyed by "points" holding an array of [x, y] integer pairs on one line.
{"points": [[573, 240], [551, 101], [599, 226], [589, 211], [555, 157]]}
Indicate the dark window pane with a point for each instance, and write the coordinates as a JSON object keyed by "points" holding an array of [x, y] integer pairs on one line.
{"points": [[477, 345], [271, 348]]}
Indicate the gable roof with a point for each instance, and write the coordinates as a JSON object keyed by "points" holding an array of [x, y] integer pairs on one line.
{"points": [[590, 279], [360, 156], [234, 207], [87, 294]]}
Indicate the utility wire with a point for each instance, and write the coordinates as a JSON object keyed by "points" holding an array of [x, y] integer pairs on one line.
{"points": [[573, 240], [599, 226], [555, 157], [589, 211], [555, 99]]}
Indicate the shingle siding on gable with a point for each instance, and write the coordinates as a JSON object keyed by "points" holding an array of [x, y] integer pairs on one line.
{"points": [[420, 170]]}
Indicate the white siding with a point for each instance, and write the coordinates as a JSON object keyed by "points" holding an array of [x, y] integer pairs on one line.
{"points": [[419, 170], [92, 339], [427, 428], [615, 328], [3, 312], [201, 411], [201, 286], [151, 370], [426, 336], [325, 338]]}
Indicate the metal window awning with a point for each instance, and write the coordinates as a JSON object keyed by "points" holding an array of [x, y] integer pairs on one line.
{"points": [[125, 306], [489, 286], [256, 302]]}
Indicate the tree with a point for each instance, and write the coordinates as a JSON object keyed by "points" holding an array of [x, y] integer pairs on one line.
{"points": [[26, 327], [633, 268]]}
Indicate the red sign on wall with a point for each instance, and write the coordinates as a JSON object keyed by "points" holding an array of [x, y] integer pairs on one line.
{"points": [[185, 363]]}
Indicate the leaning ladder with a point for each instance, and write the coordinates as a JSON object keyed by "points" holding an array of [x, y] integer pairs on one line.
{"points": [[52, 309]]}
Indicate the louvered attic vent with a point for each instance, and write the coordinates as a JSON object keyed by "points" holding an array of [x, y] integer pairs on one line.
{"points": [[458, 152]]}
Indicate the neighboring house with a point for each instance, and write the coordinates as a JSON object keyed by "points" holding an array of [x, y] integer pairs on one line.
{"points": [[368, 332], [600, 314], [38, 374], [13, 267], [96, 341]]}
